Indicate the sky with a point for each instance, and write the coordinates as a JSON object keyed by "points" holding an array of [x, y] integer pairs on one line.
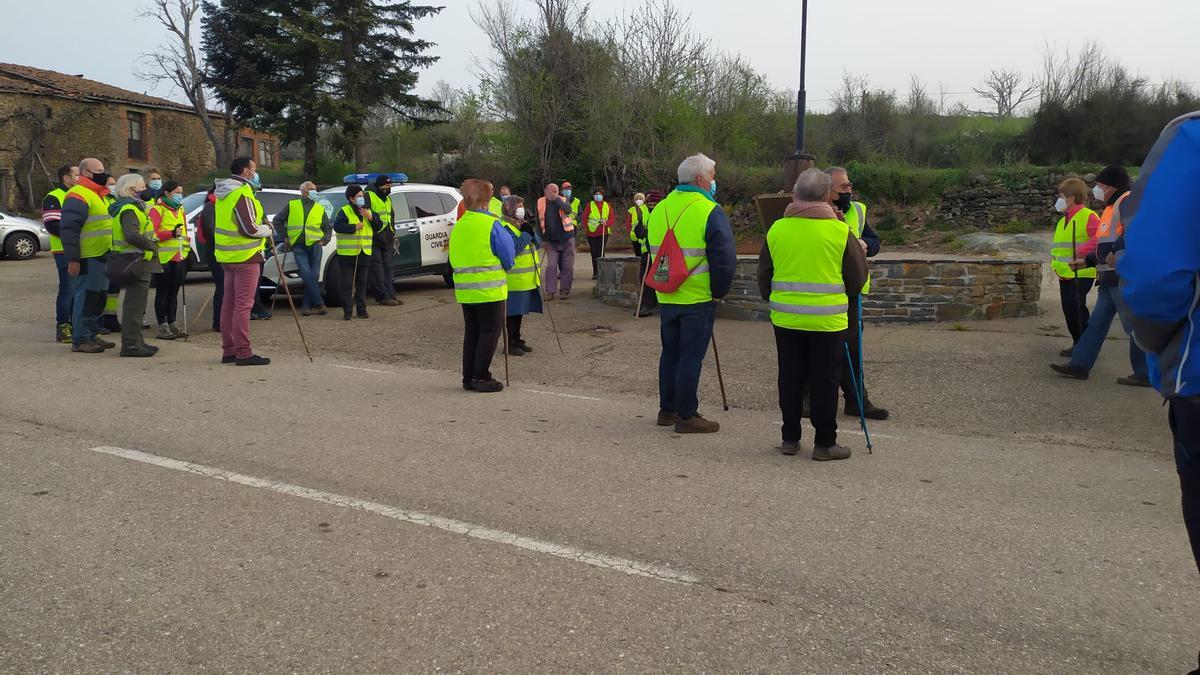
{"points": [[948, 44]]}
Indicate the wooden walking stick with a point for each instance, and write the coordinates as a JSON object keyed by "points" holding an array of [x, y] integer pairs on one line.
{"points": [[504, 336], [204, 305], [545, 305], [291, 303], [720, 378]]}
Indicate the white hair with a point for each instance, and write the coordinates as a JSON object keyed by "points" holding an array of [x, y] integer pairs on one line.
{"points": [[696, 165], [307, 182], [127, 185], [834, 170], [812, 186]]}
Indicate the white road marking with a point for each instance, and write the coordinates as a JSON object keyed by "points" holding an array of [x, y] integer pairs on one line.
{"points": [[873, 434], [365, 370], [574, 396], [631, 567]]}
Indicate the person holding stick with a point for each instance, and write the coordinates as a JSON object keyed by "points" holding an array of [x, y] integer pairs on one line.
{"points": [[173, 248], [688, 313], [524, 295], [482, 250], [639, 215], [810, 266], [598, 216], [1074, 239], [239, 236], [354, 246]]}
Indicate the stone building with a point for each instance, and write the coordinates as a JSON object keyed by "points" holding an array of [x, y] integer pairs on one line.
{"points": [[48, 119]]}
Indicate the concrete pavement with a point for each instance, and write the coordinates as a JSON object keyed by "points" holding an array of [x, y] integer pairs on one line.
{"points": [[965, 543]]}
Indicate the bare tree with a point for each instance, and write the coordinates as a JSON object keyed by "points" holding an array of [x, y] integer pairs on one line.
{"points": [[1008, 90], [1067, 76], [178, 63]]}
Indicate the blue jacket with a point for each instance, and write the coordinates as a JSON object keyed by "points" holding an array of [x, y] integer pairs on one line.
{"points": [[1160, 266]]}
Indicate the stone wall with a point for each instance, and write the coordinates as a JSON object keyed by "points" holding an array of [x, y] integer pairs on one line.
{"points": [[912, 290], [987, 203]]}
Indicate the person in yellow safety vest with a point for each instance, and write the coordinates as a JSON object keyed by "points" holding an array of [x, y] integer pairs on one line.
{"points": [[810, 266], [639, 215], [174, 247], [240, 235], [382, 278], [482, 250], [524, 295], [597, 218], [855, 215], [1111, 189], [1074, 239], [85, 228], [305, 230], [133, 238], [567, 192], [354, 225], [108, 320], [703, 232], [52, 205]]}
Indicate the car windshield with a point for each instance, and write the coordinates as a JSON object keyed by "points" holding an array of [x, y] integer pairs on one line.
{"points": [[193, 201]]}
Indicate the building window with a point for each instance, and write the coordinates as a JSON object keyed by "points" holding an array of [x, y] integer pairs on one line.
{"points": [[266, 153], [246, 147], [137, 134]]}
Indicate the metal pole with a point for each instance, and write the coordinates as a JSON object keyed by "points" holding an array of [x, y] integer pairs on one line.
{"points": [[802, 95]]}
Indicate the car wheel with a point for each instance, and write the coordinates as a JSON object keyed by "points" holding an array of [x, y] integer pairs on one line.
{"points": [[448, 277], [21, 246], [333, 293]]}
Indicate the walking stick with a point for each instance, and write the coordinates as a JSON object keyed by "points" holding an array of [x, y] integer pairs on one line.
{"points": [[203, 305], [504, 334], [545, 305], [291, 303], [720, 378], [854, 382], [183, 291], [860, 383]]}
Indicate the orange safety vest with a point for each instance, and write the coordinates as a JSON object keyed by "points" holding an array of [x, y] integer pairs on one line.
{"points": [[1111, 227]]}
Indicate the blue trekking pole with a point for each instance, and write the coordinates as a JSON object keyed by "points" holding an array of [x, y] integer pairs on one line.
{"points": [[859, 383]]}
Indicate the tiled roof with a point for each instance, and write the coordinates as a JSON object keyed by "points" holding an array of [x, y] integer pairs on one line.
{"points": [[28, 80]]}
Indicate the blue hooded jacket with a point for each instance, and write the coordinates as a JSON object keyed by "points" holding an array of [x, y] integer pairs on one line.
{"points": [[1160, 264]]}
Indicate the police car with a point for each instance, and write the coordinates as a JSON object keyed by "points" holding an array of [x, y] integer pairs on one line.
{"points": [[273, 201], [424, 216]]}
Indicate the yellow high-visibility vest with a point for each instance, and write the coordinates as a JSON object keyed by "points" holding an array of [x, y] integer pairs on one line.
{"points": [[807, 289], [478, 275], [687, 213]]}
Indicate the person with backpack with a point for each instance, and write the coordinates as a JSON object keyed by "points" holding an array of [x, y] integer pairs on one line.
{"points": [[693, 264]]}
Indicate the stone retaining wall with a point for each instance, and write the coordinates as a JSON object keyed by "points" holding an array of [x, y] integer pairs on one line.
{"points": [[907, 290]]}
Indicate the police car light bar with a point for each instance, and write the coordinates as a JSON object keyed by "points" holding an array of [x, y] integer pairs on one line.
{"points": [[369, 178]]}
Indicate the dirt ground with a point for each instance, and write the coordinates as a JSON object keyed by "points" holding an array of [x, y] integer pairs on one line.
{"points": [[980, 378]]}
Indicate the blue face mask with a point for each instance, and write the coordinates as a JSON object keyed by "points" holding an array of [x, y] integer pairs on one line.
{"points": [[174, 200], [360, 201], [712, 189], [255, 180], [567, 194], [156, 184]]}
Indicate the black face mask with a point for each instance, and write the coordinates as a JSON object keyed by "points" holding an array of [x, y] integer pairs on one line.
{"points": [[383, 190], [100, 178], [843, 202]]}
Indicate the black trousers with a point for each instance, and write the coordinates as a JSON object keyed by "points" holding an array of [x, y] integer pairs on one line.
{"points": [[1073, 295], [382, 278], [649, 297], [514, 328], [596, 246], [847, 387], [1185, 427], [480, 337], [353, 282], [166, 292], [809, 361]]}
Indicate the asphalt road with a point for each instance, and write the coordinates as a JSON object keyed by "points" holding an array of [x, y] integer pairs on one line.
{"points": [[364, 513]]}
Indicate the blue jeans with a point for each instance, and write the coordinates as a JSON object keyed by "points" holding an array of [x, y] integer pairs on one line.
{"points": [[91, 292], [66, 291], [308, 264], [1087, 350], [686, 331]]}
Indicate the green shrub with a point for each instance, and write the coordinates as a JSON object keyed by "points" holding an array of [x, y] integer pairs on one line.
{"points": [[897, 237], [1015, 226]]}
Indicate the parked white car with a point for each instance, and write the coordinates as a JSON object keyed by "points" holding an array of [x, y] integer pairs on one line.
{"points": [[22, 238], [424, 216]]}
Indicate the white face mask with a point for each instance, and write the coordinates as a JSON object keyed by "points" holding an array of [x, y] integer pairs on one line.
{"points": [[640, 202], [1098, 193], [1060, 205], [520, 213]]}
